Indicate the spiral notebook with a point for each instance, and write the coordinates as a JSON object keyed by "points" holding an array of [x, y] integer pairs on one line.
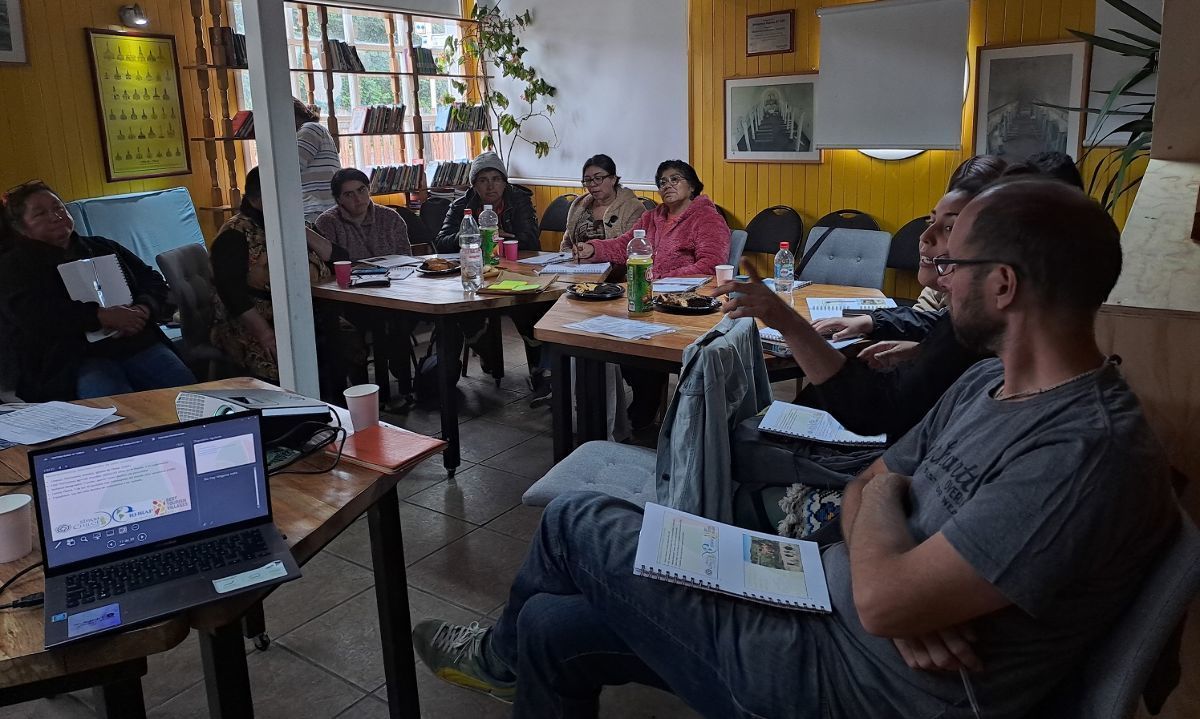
{"points": [[793, 420], [685, 549]]}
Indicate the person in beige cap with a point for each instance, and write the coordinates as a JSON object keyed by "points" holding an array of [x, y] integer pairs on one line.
{"points": [[513, 204]]}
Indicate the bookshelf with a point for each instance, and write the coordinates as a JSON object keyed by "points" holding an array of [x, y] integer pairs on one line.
{"points": [[213, 73]]}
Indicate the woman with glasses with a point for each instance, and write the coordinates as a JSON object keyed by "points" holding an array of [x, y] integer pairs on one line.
{"points": [[606, 210], [689, 236], [358, 225], [58, 348]]}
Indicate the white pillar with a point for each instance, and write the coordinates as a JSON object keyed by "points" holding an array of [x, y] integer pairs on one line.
{"points": [[283, 207]]}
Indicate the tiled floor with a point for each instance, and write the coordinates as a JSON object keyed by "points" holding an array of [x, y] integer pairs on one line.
{"points": [[463, 541]]}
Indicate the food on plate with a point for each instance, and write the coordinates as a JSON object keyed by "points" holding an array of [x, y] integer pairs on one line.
{"points": [[437, 264], [585, 287], [683, 299]]}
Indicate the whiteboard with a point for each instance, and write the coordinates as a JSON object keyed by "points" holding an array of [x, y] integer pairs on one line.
{"points": [[621, 70]]}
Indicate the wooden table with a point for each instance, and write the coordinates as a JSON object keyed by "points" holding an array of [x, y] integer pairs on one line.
{"points": [[310, 511], [443, 301], [663, 353]]}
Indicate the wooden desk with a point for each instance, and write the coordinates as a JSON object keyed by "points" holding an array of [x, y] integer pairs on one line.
{"points": [[441, 300], [310, 511], [663, 353]]}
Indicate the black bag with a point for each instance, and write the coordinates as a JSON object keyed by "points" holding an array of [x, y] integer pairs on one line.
{"points": [[426, 385]]}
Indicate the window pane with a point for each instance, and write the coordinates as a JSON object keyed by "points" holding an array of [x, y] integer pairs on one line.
{"points": [[370, 29], [375, 91], [337, 26], [235, 12], [314, 25], [375, 61]]}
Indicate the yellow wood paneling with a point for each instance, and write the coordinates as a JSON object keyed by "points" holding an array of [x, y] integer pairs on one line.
{"points": [[49, 128]]}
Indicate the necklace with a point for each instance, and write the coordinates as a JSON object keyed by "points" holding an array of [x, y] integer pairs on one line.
{"points": [[999, 393]]}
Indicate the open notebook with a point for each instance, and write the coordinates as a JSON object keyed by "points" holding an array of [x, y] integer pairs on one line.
{"points": [[793, 420], [682, 548]]}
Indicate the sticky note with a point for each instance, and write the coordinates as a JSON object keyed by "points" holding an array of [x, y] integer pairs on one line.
{"points": [[93, 620], [265, 573], [507, 285]]}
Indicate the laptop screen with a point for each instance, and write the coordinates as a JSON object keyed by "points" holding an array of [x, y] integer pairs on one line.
{"points": [[109, 496]]}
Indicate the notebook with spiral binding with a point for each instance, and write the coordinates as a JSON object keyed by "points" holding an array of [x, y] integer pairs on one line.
{"points": [[685, 549], [793, 420]]}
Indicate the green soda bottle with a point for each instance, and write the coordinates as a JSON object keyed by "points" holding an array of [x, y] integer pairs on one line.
{"points": [[489, 229], [640, 262]]}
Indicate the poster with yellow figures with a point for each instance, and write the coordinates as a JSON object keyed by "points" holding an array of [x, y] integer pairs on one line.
{"points": [[138, 98]]}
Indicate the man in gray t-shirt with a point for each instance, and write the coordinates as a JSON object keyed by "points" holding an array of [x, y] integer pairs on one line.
{"points": [[1003, 535]]}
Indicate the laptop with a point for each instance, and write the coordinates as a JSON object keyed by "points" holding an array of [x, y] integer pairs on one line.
{"points": [[139, 526]]}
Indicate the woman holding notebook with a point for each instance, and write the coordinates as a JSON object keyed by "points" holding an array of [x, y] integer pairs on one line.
{"points": [[64, 348]]}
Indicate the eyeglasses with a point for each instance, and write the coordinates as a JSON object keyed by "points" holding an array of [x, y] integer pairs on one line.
{"points": [[945, 265], [490, 180], [593, 180], [672, 180], [31, 184]]}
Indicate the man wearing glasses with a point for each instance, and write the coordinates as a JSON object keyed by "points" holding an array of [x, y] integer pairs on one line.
{"points": [[998, 540]]}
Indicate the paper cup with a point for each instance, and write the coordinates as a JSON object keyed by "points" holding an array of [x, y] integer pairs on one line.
{"points": [[341, 271], [16, 526], [724, 274], [363, 402], [510, 249]]}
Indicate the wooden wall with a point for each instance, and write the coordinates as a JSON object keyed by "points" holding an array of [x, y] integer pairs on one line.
{"points": [[49, 128]]}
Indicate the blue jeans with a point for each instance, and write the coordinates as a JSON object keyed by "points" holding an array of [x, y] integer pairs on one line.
{"points": [[578, 619], [155, 367]]}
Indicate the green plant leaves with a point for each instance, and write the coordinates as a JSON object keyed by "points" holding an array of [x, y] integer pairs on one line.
{"points": [[1137, 16], [1121, 48]]}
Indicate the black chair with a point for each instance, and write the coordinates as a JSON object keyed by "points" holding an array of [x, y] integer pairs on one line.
{"points": [[848, 219], [555, 217], [648, 203], [904, 253], [418, 233], [772, 226], [723, 211], [433, 213]]}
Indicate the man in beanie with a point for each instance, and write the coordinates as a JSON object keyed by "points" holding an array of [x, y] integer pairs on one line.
{"points": [[511, 203]]}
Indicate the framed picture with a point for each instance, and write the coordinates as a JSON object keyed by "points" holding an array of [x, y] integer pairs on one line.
{"points": [[770, 119], [1023, 96], [770, 32], [138, 99], [12, 32]]}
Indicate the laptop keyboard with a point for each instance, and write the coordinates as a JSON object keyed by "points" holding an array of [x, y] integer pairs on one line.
{"points": [[102, 583]]}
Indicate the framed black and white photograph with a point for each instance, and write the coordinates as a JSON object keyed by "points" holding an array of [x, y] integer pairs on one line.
{"points": [[1025, 97], [12, 32], [770, 119]]}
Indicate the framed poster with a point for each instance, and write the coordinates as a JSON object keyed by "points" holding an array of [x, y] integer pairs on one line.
{"points": [[771, 118], [12, 32], [138, 99], [770, 32], [1023, 96]]}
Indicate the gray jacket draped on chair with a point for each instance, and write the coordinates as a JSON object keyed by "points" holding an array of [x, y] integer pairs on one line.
{"points": [[722, 382]]}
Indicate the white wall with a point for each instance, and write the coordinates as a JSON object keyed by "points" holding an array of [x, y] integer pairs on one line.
{"points": [[1108, 67]]}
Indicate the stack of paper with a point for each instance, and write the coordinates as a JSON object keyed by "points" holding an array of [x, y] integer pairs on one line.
{"points": [[823, 308], [793, 420], [617, 327], [48, 421], [679, 284], [547, 258], [596, 268], [390, 261], [774, 337]]}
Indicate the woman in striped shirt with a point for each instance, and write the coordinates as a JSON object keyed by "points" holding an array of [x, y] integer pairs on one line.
{"points": [[319, 160]]}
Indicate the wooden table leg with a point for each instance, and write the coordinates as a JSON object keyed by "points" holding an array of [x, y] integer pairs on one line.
{"points": [[560, 402], [226, 676], [449, 341], [391, 594]]}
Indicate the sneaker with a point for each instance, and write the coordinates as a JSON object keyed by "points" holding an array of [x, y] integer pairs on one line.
{"points": [[454, 653]]}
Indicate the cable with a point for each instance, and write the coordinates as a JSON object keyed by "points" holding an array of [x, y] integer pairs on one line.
{"points": [[15, 484], [313, 446], [13, 579]]}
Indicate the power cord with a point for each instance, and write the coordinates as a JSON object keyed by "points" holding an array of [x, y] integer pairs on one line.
{"points": [[15, 484], [323, 436], [29, 600]]}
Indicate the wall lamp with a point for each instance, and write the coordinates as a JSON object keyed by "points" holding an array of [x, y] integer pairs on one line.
{"points": [[133, 16]]}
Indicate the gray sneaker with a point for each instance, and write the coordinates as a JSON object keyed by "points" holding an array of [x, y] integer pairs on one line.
{"points": [[454, 653]]}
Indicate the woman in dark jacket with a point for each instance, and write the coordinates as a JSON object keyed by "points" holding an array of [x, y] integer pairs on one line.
{"points": [[512, 203], [46, 333]]}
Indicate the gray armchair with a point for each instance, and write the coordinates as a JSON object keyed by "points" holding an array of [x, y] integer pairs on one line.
{"points": [[189, 273], [857, 258]]}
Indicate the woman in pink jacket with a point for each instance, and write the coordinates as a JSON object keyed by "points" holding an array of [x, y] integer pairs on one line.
{"points": [[689, 236]]}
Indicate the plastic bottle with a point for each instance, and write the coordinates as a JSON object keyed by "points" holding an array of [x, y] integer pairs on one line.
{"points": [[470, 255], [489, 229], [640, 259], [785, 268]]}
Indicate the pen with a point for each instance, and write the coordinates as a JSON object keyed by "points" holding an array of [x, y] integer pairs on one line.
{"points": [[966, 680]]}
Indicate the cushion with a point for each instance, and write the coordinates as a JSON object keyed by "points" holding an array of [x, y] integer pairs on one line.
{"points": [[617, 470], [857, 258], [146, 223]]}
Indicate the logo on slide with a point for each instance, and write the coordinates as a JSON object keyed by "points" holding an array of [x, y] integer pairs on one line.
{"points": [[87, 524]]}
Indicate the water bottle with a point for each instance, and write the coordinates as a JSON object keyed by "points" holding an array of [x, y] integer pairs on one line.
{"points": [[640, 260], [489, 230], [470, 255], [785, 268]]}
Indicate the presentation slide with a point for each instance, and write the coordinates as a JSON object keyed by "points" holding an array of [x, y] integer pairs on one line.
{"points": [[224, 453], [120, 491]]}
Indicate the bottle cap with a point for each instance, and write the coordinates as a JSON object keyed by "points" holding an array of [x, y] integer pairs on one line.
{"points": [[784, 245], [467, 212], [639, 233], [486, 208]]}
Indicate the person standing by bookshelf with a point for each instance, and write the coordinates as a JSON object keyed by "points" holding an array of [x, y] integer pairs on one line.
{"points": [[319, 160]]}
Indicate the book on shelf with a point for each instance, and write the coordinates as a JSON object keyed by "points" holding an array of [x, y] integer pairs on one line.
{"points": [[344, 57], [682, 548], [397, 178], [459, 117], [447, 174], [243, 125], [423, 61], [229, 47], [377, 120]]}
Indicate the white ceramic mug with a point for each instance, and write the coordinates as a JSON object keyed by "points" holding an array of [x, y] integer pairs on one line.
{"points": [[16, 526], [724, 274], [363, 402]]}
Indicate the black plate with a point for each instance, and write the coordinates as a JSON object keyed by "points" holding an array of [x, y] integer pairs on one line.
{"points": [[436, 273], [714, 305], [604, 291]]}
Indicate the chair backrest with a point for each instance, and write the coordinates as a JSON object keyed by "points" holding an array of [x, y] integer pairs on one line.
{"points": [[905, 253], [847, 257], [648, 203], [1115, 673], [772, 226], [418, 233], [433, 213], [848, 219], [146, 223], [189, 273], [737, 243], [555, 217]]}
